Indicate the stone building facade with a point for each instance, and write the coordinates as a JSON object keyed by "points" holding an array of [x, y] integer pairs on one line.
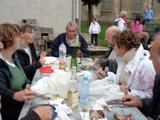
{"points": [[49, 16], [108, 10]]}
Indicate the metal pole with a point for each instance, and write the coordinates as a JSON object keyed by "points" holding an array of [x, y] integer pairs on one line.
{"points": [[77, 14]]}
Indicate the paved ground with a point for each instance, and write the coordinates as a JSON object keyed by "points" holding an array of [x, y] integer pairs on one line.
{"points": [[87, 37], [94, 50]]}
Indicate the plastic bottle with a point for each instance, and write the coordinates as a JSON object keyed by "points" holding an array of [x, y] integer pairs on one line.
{"points": [[62, 50], [84, 93]]}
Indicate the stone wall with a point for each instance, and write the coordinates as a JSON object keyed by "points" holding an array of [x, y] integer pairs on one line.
{"points": [[48, 13]]}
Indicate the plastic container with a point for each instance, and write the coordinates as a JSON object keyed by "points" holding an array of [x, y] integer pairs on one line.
{"points": [[84, 94]]}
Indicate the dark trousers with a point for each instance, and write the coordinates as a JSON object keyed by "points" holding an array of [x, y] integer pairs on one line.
{"points": [[148, 23], [94, 38]]}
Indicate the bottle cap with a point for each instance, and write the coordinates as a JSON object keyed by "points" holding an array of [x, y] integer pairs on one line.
{"points": [[85, 77]]}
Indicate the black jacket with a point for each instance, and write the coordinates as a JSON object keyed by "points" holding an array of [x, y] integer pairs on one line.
{"points": [[24, 60], [106, 62], [10, 108], [151, 107]]}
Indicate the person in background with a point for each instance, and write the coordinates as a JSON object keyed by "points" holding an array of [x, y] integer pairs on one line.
{"points": [[135, 73], [148, 17], [108, 59], [122, 22], [150, 106], [155, 32], [27, 56], [143, 38], [94, 30], [13, 80], [136, 25], [72, 39]]}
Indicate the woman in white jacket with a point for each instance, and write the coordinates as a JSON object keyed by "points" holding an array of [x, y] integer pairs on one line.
{"points": [[135, 72], [94, 30]]}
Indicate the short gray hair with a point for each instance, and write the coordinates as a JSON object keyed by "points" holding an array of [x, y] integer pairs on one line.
{"points": [[71, 24]]}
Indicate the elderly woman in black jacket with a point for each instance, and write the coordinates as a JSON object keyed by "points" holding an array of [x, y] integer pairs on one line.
{"points": [[27, 56]]}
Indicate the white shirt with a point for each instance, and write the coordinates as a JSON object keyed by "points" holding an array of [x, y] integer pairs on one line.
{"points": [[94, 28], [121, 24]]}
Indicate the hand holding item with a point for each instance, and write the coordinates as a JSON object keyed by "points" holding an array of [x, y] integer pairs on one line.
{"points": [[42, 59], [26, 94], [100, 74], [43, 54], [132, 101], [124, 89], [96, 61]]}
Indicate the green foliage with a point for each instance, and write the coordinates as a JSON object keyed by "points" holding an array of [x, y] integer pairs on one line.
{"points": [[84, 27], [93, 2], [156, 23]]}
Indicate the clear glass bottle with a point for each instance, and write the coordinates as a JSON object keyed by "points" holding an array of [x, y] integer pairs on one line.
{"points": [[73, 93], [74, 67]]}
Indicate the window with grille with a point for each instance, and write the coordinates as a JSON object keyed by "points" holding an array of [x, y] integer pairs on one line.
{"points": [[107, 5], [124, 4], [138, 5]]}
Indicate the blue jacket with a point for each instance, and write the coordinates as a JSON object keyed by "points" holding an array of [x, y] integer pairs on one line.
{"points": [[148, 14], [70, 50]]}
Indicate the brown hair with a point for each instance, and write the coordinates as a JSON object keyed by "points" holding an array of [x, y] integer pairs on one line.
{"points": [[126, 39], [27, 28], [8, 32]]}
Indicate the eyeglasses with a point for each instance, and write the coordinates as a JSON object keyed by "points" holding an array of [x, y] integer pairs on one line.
{"points": [[71, 30]]}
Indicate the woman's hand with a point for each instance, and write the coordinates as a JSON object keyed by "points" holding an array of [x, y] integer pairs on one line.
{"points": [[26, 94], [42, 59], [43, 54]]}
